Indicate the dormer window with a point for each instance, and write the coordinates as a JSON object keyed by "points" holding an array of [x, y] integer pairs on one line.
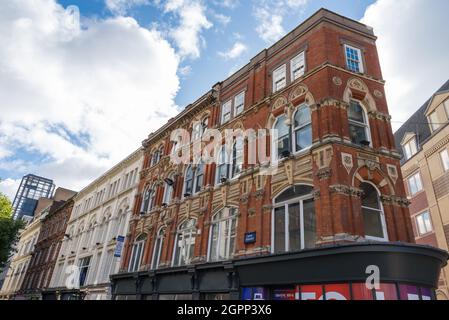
{"points": [[410, 148], [354, 61], [434, 121]]}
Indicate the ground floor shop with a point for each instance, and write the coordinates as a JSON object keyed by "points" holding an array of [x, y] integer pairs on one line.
{"points": [[395, 272]]}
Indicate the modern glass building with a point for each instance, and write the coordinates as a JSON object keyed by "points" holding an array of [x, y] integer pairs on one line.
{"points": [[30, 190]]}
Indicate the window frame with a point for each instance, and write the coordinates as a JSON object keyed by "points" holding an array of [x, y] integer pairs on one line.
{"points": [[409, 145], [381, 211], [157, 249], [242, 105], [220, 222], [427, 226], [444, 160], [222, 161], [282, 68], [302, 127], [274, 142], [434, 123], [366, 125], [223, 113], [285, 204], [413, 177], [360, 63], [134, 264], [292, 71], [168, 191], [184, 231]]}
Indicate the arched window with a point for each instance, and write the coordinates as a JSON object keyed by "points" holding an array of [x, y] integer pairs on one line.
{"points": [[281, 145], [148, 200], [293, 220], [237, 156], [199, 178], [373, 214], [188, 181], [222, 171], [158, 245], [194, 179], [155, 158], [302, 128], [185, 243], [358, 124], [222, 235], [137, 253], [168, 191]]}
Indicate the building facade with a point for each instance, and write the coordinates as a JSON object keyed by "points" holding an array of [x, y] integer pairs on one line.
{"points": [[53, 225], [424, 143], [99, 219], [306, 224], [31, 189], [25, 249]]}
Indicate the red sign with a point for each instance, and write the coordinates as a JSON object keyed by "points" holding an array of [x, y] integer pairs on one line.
{"points": [[337, 292]]}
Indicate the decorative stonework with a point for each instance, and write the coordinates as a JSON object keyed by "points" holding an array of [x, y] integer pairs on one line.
{"points": [[357, 84], [244, 198], [378, 94], [323, 157], [251, 212], [392, 172], [316, 195], [279, 103], [395, 201], [324, 173], [347, 161], [299, 91], [259, 194], [345, 190], [337, 81], [288, 167]]}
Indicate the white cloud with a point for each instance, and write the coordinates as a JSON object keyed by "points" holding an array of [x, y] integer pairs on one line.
{"points": [[9, 187], [413, 45], [222, 19], [185, 71], [192, 22], [229, 4], [122, 6], [82, 99], [236, 51], [270, 14]]}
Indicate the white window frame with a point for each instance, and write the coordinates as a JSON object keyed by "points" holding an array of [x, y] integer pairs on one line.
{"points": [[446, 108], [410, 148], [360, 124], [426, 225], [434, 121], [168, 191], [238, 160], [226, 111], [297, 60], [157, 251], [294, 129], [220, 162], [359, 53], [279, 76], [136, 261], [220, 222], [382, 216], [191, 232], [275, 156], [238, 108], [444, 156], [416, 180]]}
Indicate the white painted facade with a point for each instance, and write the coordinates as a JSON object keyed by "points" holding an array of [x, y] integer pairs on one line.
{"points": [[100, 214]]}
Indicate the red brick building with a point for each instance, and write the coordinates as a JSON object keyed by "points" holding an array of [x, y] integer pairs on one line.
{"points": [[54, 223], [225, 230]]}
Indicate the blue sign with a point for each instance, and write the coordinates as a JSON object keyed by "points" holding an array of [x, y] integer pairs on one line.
{"points": [[250, 237], [119, 246]]}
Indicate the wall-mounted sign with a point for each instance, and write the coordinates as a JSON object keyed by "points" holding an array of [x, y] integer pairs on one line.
{"points": [[250, 237], [119, 246]]}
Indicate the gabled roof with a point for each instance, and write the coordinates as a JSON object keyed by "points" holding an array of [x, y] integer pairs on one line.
{"points": [[417, 124]]}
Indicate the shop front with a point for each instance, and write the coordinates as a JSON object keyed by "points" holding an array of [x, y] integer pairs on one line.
{"points": [[394, 272]]}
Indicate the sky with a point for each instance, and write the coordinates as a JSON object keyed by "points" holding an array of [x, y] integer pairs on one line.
{"points": [[76, 98]]}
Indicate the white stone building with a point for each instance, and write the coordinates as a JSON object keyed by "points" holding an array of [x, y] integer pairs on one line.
{"points": [[100, 214]]}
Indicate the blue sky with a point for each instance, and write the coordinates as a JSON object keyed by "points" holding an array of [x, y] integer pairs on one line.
{"points": [[77, 98], [219, 38]]}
